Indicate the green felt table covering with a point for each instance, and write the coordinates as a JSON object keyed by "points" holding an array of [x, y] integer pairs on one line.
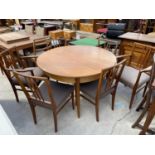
{"points": [[87, 41]]}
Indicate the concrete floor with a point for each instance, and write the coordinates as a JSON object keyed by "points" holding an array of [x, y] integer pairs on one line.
{"points": [[117, 122]]}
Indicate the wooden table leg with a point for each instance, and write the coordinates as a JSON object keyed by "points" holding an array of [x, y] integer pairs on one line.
{"points": [[77, 95]]}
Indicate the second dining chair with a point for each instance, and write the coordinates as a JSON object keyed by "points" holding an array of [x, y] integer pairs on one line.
{"points": [[41, 45], [107, 84], [48, 94]]}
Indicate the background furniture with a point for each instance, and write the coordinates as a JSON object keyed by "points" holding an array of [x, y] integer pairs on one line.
{"points": [[115, 30], [6, 127], [21, 44], [4, 29], [147, 25], [41, 45], [29, 29], [87, 27], [43, 30], [127, 41], [75, 64], [88, 42]]}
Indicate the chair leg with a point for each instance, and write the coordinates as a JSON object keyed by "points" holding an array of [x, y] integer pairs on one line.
{"points": [[145, 89], [55, 121], [97, 111], [132, 98], [142, 103], [140, 117], [113, 99], [149, 119], [33, 113], [15, 92], [72, 96]]}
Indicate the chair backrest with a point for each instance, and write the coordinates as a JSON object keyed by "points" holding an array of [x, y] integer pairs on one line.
{"points": [[112, 46], [34, 94], [41, 44], [10, 59], [140, 55], [115, 29], [111, 76]]}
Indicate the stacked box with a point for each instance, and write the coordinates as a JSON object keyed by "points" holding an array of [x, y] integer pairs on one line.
{"points": [[56, 34], [69, 34]]}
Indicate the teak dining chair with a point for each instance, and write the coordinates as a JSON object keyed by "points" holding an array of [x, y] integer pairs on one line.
{"points": [[48, 94], [107, 84], [10, 60], [149, 108], [41, 45], [134, 74]]}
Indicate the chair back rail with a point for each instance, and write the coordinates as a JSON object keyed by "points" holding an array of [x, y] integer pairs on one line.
{"points": [[35, 95]]}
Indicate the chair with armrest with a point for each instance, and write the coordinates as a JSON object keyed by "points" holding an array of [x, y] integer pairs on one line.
{"points": [[107, 84], [48, 94], [134, 75], [149, 107], [11, 60]]}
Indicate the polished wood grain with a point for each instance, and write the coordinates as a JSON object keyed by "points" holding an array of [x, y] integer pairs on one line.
{"points": [[75, 61], [13, 37], [76, 64], [127, 42]]}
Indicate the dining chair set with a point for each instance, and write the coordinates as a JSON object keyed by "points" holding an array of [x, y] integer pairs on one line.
{"points": [[40, 90]]}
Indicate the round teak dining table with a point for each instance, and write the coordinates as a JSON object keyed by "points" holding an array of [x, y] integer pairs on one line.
{"points": [[75, 64]]}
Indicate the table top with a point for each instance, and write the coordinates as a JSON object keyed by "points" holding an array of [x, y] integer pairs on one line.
{"points": [[87, 42], [75, 61], [138, 37], [12, 37], [21, 44]]}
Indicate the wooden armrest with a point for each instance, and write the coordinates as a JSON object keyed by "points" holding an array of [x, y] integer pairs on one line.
{"points": [[123, 56], [146, 70]]}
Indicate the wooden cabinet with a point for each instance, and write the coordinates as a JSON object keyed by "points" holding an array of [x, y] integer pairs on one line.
{"points": [[127, 41], [87, 27]]}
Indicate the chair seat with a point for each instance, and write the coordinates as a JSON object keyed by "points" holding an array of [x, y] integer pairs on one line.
{"points": [[59, 91], [90, 88], [36, 71], [103, 30], [129, 77]]}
